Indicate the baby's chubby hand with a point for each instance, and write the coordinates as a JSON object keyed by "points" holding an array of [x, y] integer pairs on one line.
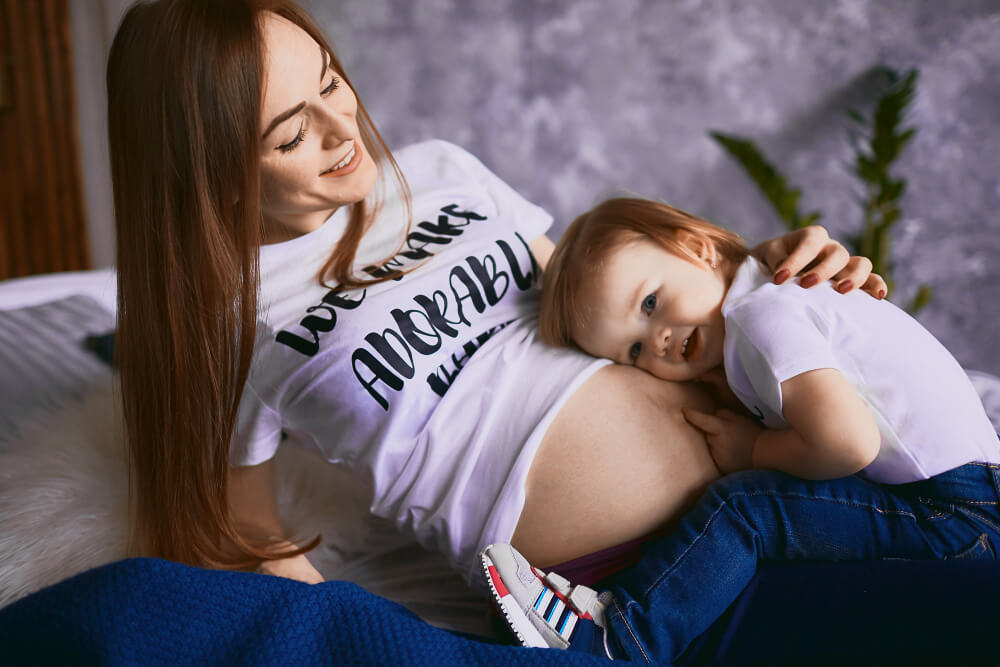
{"points": [[715, 379], [730, 437]]}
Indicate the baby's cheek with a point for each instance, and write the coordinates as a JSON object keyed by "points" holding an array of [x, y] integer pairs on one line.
{"points": [[667, 371]]}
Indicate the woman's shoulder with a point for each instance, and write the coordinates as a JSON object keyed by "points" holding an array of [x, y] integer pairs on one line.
{"points": [[432, 148], [437, 159]]}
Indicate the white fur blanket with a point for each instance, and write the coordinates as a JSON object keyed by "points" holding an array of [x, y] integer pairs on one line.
{"points": [[63, 510]]}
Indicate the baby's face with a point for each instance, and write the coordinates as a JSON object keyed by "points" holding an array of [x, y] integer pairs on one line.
{"points": [[654, 310]]}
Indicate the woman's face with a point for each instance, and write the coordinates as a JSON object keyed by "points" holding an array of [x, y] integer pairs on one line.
{"points": [[313, 160]]}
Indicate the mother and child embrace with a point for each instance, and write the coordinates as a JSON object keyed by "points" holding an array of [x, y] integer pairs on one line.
{"points": [[286, 280]]}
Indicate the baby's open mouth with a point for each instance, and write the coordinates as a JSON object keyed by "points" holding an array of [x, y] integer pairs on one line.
{"points": [[687, 347]]}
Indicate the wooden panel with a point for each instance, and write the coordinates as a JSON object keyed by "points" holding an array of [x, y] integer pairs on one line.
{"points": [[40, 195]]}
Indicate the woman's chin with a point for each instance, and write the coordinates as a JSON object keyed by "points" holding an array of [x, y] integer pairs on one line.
{"points": [[355, 186]]}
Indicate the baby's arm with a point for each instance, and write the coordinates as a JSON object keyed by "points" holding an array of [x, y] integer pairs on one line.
{"points": [[254, 507], [833, 434]]}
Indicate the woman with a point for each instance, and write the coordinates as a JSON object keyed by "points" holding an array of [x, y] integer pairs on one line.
{"points": [[241, 158]]}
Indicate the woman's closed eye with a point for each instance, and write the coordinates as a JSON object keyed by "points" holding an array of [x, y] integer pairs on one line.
{"points": [[330, 87], [293, 144], [634, 352]]}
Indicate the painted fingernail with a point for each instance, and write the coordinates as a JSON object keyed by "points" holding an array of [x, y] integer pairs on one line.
{"points": [[809, 280], [881, 294], [782, 276], [845, 286]]}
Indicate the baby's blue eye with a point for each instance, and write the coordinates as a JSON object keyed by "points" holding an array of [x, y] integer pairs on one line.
{"points": [[649, 303], [633, 352]]}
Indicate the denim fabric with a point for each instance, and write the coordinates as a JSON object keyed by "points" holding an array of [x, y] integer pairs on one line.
{"points": [[688, 579]]}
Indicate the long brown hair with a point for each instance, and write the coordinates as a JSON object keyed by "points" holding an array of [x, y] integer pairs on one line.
{"points": [[185, 80], [596, 234]]}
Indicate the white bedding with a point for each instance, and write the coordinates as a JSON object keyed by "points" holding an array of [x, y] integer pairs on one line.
{"points": [[66, 463], [20, 292]]}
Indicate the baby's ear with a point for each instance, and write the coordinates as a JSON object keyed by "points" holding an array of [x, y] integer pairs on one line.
{"points": [[700, 248]]}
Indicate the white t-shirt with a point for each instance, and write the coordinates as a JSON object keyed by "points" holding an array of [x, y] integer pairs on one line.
{"points": [[928, 413], [434, 386]]}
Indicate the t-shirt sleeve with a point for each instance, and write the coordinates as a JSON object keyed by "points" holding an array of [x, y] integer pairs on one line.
{"points": [[529, 220], [258, 431], [777, 340]]}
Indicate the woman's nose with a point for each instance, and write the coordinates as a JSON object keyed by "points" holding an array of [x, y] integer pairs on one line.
{"points": [[336, 128]]}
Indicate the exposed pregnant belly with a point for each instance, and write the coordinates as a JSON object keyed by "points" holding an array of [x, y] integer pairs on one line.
{"points": [[617, 463]]}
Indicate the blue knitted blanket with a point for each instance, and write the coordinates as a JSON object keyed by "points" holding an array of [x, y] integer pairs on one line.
{"points": [[154, 612]]}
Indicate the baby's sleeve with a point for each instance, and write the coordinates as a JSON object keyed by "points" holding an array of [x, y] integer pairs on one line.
{"points": [[258, 431], [776, 341]]}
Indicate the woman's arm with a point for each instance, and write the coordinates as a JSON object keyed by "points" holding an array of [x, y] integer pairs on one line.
{"points": [[542, 248], [809, 250], [833, 434], [253, 503]]}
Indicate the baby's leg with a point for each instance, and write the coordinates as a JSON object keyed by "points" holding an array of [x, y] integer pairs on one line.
{"points": [[688, 579]]}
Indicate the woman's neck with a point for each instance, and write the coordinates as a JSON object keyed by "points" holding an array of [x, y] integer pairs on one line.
{"points": [[278, 229]]}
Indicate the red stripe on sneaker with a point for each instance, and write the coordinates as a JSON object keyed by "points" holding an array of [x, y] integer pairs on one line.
{"points": [[560, 596], [498, 582], [541, 577]]}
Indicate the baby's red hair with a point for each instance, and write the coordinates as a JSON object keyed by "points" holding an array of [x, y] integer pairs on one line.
{"points": [[596, 234]]}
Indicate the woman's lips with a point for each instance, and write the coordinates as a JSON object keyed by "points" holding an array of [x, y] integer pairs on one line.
{"points": [[353, 158]]}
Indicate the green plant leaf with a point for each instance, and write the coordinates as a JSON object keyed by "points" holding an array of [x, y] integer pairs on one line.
{"points": [[905, 137], [886, 139], [856, 116], [879, 205], [853, 243], [811, 218], [894, 189], [865, 168], [783, 197], [890, 216], [920, 299]]}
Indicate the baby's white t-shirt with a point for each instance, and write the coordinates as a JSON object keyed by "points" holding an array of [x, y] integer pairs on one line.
{"points": [[433, 386], [928, 413]]}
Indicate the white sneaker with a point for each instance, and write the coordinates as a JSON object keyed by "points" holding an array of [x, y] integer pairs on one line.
{"points": [[542, 609]]}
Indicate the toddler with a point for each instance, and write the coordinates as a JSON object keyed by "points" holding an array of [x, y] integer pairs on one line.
{"points": [[817, 385]]}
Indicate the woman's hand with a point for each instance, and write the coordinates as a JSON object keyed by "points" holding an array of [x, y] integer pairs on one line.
{"points": [[811, 251], [730, 437], [296, 567]]}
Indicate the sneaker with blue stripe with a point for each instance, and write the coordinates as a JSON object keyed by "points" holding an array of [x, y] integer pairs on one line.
{"points": [[543, 610]]}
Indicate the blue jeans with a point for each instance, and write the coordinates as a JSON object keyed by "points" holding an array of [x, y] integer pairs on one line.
{"points": [[687, 579]]}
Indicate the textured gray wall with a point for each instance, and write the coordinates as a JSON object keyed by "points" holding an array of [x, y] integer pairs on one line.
{"points": [[571, 100]]}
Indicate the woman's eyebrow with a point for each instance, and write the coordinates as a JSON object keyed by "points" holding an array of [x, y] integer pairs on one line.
{"points": [[288, 113], [282, 117]]}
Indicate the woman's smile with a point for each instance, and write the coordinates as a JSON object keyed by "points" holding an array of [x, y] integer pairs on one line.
{"points": [[348, 164]]}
